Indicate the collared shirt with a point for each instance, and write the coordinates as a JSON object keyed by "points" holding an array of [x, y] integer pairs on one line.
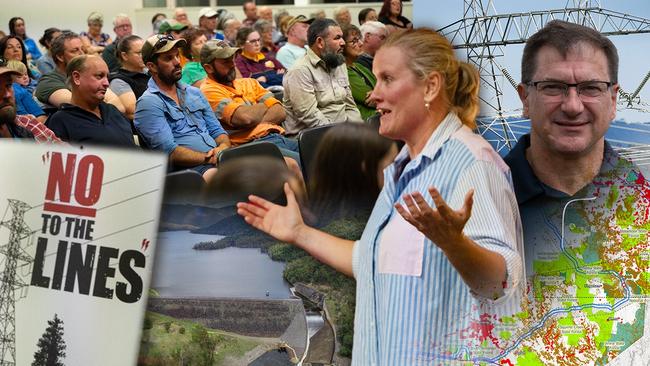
{"points": [[314, 96], [584, 257], [362, 82], [74, 124], [412, 305], [166, 125], [289, 53], [225, 100], [542, 206], [38, 131]]}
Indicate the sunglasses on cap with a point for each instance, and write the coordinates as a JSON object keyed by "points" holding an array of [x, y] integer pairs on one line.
{"points": [[163, 39]]}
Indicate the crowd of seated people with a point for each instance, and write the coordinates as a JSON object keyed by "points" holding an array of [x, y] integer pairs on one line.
{"points": [[146, 89]]}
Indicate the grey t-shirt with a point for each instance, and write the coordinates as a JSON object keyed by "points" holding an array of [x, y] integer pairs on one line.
{"points": [[119, 87], [48, 84]]}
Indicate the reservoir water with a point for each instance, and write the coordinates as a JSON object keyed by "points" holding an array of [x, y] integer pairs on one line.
{"points": [[181, 271]]}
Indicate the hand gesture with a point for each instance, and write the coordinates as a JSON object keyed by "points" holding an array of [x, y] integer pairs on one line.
{"points": [[281, 222], [442, 225]]}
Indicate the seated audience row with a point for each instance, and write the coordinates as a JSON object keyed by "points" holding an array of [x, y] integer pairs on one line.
{"points": [[88, 103]]}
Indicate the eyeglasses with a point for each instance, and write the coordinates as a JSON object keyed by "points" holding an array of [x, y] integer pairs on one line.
{"points": [[161, 42], [557, 89], [251, 41], [354, 41]]}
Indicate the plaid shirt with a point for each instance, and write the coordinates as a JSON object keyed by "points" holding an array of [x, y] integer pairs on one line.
{"points": [[40, 131]]}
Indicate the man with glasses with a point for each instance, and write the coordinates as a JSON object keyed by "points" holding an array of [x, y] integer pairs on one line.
{"points": [[573, 189], [122, 28], [568, 90], [373, 34], [174, 117], [316, 89]]}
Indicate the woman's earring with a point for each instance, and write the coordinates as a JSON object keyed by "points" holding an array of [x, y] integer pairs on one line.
{"points": [[426, 104]]}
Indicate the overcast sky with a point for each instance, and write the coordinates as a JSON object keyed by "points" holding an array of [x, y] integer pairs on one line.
{"points": [[633, 49]]}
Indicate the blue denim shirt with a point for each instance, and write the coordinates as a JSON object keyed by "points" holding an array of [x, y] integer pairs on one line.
{"points": [[166, 125]]}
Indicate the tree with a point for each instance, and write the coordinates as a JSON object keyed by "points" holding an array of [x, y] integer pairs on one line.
{"points": [[51, 346]]}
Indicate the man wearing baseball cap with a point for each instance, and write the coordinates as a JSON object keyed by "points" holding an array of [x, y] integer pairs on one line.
{"points": [[208, 23], [174, 117], [172, 27], [247, 110], [296, 41], [11, 125]]}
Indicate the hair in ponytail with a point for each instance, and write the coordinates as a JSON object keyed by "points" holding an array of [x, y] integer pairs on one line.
{"points": [[428, 51]]}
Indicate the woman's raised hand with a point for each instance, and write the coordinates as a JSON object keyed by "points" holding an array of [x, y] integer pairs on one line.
{"points": [[442, 225]]}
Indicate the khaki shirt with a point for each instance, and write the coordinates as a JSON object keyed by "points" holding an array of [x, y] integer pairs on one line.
{"points": [[315, 97]]}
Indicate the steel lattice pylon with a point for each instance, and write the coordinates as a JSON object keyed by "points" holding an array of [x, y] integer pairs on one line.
{"points": [[484, 33], [12, 253]]}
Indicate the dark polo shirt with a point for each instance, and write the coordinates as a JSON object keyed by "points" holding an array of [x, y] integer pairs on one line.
{"points": [[547, 214], [73, 124]]}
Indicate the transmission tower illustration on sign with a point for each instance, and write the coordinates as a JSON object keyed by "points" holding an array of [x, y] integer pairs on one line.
{"points": [[484, 34], [11, 253]]}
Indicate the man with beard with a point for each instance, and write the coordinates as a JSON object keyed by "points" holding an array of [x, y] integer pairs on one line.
{"points": [[316, 89], [247, 110], [87, 118], [174, 117], [11, 125]]}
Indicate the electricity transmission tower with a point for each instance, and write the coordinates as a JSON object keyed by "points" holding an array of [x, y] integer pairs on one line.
{"points": [[12, 253], [483, 34]]}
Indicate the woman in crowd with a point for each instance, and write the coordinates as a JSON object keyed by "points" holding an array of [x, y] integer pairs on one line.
{"points": [[17, 28], [94, 41], [45, 64], [417, 296], [346, 188], [130, 80], [252, 63], [362, 81], [12, 48], [193, 72], [366, 15], [391, 15]]}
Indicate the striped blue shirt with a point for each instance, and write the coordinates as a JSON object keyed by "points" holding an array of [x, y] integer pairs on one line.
{"points": [[412, 305]]}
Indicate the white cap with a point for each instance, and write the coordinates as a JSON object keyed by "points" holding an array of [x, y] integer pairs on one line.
{"points": [[207, 12]]}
